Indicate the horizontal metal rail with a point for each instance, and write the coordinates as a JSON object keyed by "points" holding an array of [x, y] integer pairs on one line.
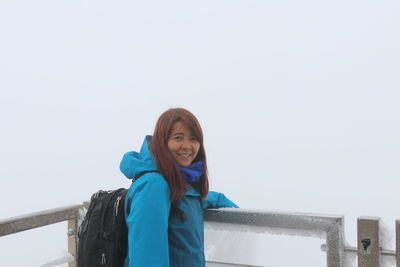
{"points": [[329, 226], [223, 264], [38, 219], [297, 221], [300, 224], [47, 217]]}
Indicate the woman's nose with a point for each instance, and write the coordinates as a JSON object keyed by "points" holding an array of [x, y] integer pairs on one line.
{"points": [[186, 144]]}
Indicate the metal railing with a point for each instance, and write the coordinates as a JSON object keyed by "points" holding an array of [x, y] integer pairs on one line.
{"points": [[327, 227], [299, 224], [47, 217]]}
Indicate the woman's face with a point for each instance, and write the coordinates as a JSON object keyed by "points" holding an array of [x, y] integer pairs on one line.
{"points": [[182, 145]]}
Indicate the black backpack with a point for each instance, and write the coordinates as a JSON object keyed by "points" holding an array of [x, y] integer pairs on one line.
{"points": [[103, 234]]}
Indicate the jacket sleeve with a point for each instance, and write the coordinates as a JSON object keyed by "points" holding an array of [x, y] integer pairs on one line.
{"points": [[147, 221], [218, 200]]}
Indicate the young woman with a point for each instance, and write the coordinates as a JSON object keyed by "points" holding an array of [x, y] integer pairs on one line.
{"points": [[164, 207]]}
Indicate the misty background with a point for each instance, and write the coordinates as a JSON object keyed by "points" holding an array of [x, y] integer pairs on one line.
{"points": [[298, 101]]}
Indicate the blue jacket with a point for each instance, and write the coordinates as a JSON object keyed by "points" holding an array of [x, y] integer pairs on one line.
{"points": [[154, 238]]}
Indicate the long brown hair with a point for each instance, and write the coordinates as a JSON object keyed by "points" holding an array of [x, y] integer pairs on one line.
{"points": [[166, 164]]}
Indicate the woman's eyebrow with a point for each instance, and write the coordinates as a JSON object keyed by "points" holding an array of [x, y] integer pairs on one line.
{"points": [[178, 133]]}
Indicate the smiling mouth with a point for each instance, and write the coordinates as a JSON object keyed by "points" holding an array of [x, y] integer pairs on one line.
{"points": [[185, 155]]}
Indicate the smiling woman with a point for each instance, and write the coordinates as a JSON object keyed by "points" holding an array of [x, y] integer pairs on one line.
{"points": [[164, 208], [178, 132]]}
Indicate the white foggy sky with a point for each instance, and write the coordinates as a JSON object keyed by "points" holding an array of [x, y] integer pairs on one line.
{"points": [[298, 100]]}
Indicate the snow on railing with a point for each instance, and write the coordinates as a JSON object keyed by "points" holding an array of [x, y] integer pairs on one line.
{"points": [[328, 227]]}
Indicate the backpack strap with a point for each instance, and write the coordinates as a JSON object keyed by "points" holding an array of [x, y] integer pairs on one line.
{"points": [[140, 174]]}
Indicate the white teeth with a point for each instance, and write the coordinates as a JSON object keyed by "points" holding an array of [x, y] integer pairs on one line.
{"points": [[184, 155]]}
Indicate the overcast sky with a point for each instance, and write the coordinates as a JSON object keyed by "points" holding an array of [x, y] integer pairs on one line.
{"points": [[298, 100]]}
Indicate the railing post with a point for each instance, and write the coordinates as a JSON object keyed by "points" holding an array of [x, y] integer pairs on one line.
{"points": [[368, 242], [398, 243], [72, 239], [335, 245]]}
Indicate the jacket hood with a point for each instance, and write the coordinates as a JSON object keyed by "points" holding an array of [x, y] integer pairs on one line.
{"points": [[134, 163]]}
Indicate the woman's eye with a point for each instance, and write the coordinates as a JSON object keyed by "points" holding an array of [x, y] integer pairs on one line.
{"points": [[178, 138]]}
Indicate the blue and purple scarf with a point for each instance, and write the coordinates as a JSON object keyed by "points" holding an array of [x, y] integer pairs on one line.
{"points": [[193, 172]]}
